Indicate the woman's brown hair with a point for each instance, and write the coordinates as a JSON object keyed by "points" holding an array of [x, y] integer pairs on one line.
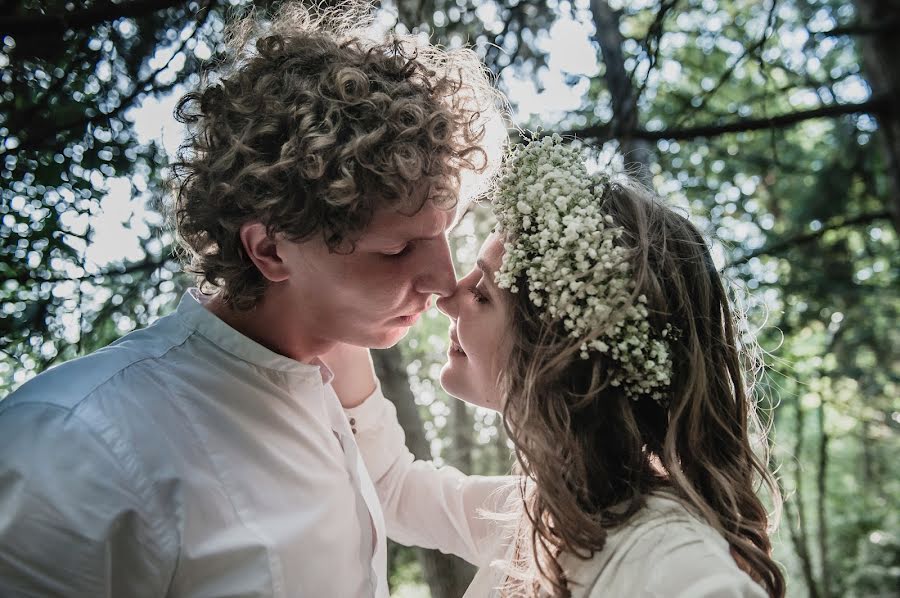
{"points": [[589, 448]]}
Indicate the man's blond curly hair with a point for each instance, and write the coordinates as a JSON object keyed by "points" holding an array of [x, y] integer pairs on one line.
{"points": [[309, 125]]}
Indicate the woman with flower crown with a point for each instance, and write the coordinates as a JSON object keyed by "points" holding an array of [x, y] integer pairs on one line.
{"points": [[597, 324]]}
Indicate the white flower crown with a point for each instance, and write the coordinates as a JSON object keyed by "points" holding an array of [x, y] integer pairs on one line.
{"points": [[550, 209]]}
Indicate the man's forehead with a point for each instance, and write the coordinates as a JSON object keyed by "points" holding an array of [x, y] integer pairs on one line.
{"points": [[390, 224]]}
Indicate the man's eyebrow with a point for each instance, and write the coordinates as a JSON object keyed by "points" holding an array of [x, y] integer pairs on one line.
{"points": [[399, 240], [424, 236], [403, 239], [488, 272]]}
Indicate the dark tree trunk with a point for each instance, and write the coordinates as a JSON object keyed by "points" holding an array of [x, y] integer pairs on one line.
{"points": [[799, 534], [503, 454], [638, 153], [461, 453], [880, 48], [822, 514], [447, 576]]}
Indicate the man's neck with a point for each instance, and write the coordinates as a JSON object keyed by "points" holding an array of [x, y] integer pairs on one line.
{"points": [[273, 326]]}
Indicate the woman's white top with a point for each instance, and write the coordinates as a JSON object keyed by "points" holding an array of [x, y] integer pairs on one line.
{"points": [[664, 551]]}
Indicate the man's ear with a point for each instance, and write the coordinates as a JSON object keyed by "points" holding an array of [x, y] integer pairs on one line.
{"points": [[262, 249]]}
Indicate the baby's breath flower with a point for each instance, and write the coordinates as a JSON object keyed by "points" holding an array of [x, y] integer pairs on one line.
{"points": [[565, 247]]}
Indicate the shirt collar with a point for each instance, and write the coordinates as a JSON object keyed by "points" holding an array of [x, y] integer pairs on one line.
{"points": [[192, 313]]}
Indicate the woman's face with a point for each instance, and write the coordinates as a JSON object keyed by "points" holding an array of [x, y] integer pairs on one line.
{"points": [[479, 331]]}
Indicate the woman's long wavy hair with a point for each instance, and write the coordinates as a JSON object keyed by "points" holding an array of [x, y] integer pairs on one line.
{"points": [[588, 448], [309, 125]]}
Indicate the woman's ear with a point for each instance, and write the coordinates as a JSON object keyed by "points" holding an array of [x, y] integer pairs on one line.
{"points": [[262, 248]]}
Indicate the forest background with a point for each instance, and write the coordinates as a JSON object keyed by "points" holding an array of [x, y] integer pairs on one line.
{"points": [[774, 123]]}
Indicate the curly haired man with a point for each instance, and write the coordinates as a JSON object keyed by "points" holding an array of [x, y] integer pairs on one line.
{"points": [[207, 455]]}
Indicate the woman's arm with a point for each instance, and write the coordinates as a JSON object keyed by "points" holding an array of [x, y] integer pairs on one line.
{"points": [[423, 505]]}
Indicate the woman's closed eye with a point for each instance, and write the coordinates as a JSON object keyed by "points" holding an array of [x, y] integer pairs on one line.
{"points": [[478, 295]]}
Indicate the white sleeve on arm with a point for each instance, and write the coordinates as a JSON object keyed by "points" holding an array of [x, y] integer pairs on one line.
{"points": [[74, 521], [425, 505]]}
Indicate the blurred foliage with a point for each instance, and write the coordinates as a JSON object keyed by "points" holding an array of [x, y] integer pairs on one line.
{"points": [[762, 127], [71, 77]]}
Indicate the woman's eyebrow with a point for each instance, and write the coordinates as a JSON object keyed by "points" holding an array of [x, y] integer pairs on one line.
{"points": [[488, 272]]}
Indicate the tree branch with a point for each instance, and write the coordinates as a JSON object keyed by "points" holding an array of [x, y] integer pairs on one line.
{"points": [[859, 29], [492, 54], [605, 132], [56, 25], [748, 51], [806, 238], [651, 43], [141, 87], [148, 264]]}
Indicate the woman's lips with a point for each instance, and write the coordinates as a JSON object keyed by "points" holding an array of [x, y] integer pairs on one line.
{"points": [[455, 348]]}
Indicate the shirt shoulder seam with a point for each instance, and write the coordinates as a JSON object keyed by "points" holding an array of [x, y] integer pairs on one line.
{"points": [[100, 384]]}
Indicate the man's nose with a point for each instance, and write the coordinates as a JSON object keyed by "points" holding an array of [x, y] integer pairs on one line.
{"points": [[437, 276], [447, 306]]}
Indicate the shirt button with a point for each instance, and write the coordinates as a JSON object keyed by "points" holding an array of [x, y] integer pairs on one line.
{"points": [[352, 421], [354, 430]]}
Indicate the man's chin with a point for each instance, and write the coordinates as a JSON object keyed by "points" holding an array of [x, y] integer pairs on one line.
{"points": [[389, 338]]}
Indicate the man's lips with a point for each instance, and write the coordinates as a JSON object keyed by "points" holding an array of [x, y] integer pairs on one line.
{"points": [[410, 318]]}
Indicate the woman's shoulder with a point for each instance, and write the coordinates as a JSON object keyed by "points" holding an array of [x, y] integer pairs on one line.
{"points": [[663, 551]]}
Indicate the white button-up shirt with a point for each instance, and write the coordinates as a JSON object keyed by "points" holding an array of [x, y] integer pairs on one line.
{"points": [[185, 460]]}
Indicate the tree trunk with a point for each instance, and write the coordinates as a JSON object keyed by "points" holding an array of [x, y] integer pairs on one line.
{"points": [[502, 452], [880, 49], [822, 496], [800, 535], [461, 454], [868, 458], [447, 576], [638, 153]]}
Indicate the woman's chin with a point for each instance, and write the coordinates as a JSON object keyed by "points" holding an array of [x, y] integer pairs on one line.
{"points": [[454, 385], [447, 380]]}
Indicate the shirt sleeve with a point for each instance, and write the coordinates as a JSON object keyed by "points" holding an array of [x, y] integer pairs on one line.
{"points": [[71, 520], [424, 505]]}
